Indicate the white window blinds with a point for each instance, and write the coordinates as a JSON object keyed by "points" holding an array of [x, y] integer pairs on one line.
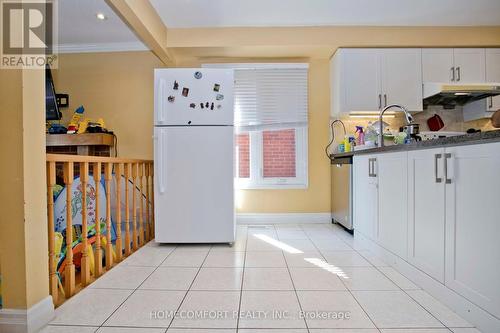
{"points": [[270, 97]]}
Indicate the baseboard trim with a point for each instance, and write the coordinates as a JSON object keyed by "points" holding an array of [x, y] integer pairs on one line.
{"points": [[483, 320], [283, 218], [27, 321]]}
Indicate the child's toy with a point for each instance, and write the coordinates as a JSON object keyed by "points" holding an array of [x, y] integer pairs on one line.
{"points": [[90, 126], [73, 124]]}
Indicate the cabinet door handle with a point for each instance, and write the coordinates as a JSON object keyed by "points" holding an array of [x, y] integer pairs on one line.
{"points": [[385, 100], [436, 166], [458, 74], [379, 101], [374, 174], [491, 102], [446, 157], [369, 167], [453, 74]]}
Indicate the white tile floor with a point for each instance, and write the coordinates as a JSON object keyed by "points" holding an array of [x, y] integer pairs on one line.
{"points": [[271, 276]]}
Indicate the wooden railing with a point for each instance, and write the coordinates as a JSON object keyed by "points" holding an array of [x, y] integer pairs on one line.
{"points": [[98, 233]]}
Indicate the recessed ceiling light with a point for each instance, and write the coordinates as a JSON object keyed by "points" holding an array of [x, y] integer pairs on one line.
{"points": [[101, 16]]}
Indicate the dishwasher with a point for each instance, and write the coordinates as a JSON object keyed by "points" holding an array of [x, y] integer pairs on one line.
{"points": [[341, 175]]}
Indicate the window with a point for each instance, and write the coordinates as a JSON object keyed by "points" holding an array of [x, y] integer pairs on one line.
{"points": [[271, 125]]}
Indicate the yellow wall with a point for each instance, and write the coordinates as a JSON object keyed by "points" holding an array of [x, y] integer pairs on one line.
{"points": [[119, 86], [23, 226]]}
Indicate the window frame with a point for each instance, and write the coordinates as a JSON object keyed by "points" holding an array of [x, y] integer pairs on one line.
{"points": [[256, 149], [256, 163]]}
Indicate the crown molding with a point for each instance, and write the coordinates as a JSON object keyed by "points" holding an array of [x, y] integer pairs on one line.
{"points": [[101, 47]]}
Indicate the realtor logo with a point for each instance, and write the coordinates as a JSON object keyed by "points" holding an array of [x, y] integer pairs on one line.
{"points": [[28, 35]]}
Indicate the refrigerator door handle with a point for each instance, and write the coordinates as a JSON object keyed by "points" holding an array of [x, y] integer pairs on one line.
{"points": [[159, 168]]}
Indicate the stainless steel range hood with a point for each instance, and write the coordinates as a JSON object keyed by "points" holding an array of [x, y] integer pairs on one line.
{"points": [[451, 95]]}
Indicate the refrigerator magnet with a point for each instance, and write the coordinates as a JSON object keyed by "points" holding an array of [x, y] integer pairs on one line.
{"points": [[198, 75], [185, 92], [216, 87], [202, 105], [171, 99], [212, 106], [207, 105], [192, 105], [219, 97], [176, 85]]}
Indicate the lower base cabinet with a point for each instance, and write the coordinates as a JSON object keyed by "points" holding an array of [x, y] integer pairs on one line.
{"points": [[426, 211], [438, 209], [473, 224], [392, 231]]}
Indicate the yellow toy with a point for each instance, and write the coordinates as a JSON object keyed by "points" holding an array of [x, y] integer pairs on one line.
{"points": [[73, 124], [104, 241], [83, 125]]}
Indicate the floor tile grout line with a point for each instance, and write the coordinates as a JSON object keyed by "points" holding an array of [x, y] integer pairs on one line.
{"points": [[352, 293], [242, 281], [404, 291], [400, 289], [137, 288], [295, 290], [189, 289]]}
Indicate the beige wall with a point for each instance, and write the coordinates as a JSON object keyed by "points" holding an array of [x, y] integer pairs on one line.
{"points": [[23, 226], [119, 86]]}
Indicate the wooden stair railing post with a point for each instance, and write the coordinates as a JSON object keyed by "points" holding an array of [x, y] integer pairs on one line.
{"points": [[69, 271], [51, 182], [85, 267], [96, 173], [141, 203], [152, 169], [118, 177], [109, 246], [127, 210], [134, 207], [148, 206]]}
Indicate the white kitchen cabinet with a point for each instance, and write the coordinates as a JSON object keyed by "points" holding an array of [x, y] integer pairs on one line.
{"points": [[465, 65], [437, 65], [426, 211], [493, 75], [360, 80], [365, 196], [469, 65], [392, 229], [473, 224], [401, 73], [366, 80]]}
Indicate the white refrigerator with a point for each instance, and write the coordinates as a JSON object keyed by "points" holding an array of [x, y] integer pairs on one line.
{"points": [[194, 156]]}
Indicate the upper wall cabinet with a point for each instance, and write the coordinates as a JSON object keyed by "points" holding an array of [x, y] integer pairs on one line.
{"points": [[438, 65], [370, 79], [493, 75], [453, 65]]}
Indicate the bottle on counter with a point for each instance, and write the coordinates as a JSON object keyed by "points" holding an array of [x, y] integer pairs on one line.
{"points": [[360, 140]]}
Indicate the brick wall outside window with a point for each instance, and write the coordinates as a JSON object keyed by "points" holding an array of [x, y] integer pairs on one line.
{"points": [[243, 144], [278, 153]]}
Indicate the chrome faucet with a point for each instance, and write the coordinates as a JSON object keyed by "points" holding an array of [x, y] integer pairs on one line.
{"points": [[409, 120]]}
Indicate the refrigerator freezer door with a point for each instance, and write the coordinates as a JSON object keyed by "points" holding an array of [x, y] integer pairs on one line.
{"points": [[194, 192], [194, 96]]}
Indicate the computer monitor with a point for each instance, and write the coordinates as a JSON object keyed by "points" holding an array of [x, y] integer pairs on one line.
{"points": [[51, 108]]}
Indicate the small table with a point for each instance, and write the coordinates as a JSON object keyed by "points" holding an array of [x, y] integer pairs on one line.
{"points": [[90, 144]]}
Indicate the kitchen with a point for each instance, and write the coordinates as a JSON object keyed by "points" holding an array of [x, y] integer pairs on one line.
{"points": [[223, 209], [425, 205]]}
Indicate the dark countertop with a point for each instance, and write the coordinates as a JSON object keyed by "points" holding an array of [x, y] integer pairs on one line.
{"points": [[460, 140]]}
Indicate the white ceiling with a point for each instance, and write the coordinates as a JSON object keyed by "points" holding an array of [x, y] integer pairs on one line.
{"points": [[81, 31], [79, 26], [257, 13]]}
